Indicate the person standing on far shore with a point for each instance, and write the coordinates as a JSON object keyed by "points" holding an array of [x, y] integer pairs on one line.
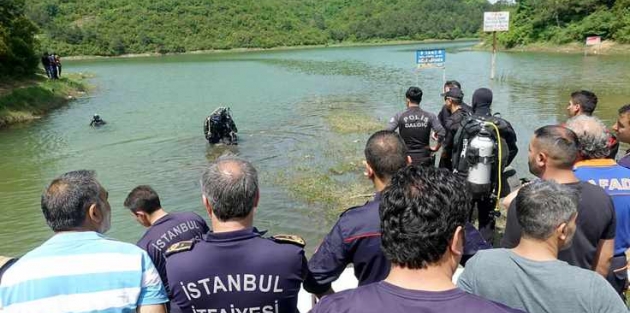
{"points": [[46, 64], [57, 64], [51, 66]]}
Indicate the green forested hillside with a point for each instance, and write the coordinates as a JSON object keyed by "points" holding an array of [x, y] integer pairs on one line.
{"points": [[113, 27], [17, 44], [565, 21]]}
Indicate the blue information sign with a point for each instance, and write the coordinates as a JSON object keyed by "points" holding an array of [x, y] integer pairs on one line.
{"points": [[431, 58]]}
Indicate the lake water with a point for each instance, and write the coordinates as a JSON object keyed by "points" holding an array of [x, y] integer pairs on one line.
{"points": [[280, 100]]}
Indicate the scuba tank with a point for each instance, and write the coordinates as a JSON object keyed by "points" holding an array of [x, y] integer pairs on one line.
{"points": [[480, 156]]}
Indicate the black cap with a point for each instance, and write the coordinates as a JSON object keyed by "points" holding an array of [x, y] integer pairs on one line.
{"points": [[454, 93]]}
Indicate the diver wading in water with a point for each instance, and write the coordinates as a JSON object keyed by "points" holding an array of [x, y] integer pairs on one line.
{"points": [[97, 121], [220, 127]]}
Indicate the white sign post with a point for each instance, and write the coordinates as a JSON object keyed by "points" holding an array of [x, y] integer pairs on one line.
{"points": [[495, 22]]}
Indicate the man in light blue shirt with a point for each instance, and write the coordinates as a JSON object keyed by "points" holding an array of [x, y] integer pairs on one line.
{"points": [[79, 269]]}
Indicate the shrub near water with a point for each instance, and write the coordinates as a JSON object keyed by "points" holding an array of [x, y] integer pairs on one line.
{"points": [[39, 96]]}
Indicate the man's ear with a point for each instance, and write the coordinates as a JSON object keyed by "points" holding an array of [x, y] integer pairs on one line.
{"points": [[369, 172], [257, 198], [578, 109], [541, 159], [457, 242], [563, 231], [94, 214], [142, 218], [409, 160], [206, 204]]}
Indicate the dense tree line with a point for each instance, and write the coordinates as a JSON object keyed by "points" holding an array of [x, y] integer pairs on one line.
{"points": [[17, 41], [564, 21], [113, 27]]}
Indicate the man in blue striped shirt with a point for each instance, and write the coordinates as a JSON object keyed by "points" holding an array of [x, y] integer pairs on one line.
{"points": [[79, 269]]}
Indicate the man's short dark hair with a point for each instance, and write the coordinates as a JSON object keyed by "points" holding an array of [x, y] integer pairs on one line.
{"points": [[66, 200], [542, 206], [231, 186], [452, 83], [587, 100], [420, 211], [386, 153], [624, 109], [143, 198], [559, 143], [414, 94]]}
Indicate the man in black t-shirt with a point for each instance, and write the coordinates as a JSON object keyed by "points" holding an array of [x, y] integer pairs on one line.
{"points": [[445, 113], [553, 151], [415, 125], [453, 100]]}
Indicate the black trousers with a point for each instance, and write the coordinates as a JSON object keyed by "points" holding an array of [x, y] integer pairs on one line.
{"points": [[485, 214], [422, 159], [619, 280]]}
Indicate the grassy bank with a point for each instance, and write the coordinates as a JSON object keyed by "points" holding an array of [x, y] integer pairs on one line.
{"points": [[28, 99], [607, 47]]}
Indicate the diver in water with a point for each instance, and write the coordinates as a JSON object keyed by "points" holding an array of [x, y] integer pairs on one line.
{"points": [[220, 127], [97, 121]]}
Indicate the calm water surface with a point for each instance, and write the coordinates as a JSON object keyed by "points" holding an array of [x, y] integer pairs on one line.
{"points": [[155, 108]]}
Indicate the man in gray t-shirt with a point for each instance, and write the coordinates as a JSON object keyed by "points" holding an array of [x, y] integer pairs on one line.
{"points": [[530, 277]]}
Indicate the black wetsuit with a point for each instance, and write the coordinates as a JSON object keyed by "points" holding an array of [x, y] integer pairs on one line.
{"points": [[220, 127], [97, 122]]}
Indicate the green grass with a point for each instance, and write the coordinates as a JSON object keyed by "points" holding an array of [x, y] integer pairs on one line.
{"points": [[37, 96], [333, 195], [335, 181], [344, 122]]}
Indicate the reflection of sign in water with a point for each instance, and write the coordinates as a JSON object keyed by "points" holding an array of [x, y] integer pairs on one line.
{"points": [[593, 40], [496, 21], [430, 58]]}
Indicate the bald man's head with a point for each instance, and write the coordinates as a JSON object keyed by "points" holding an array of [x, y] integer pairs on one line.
{"points": [[592, 136], [231, 186], [386, 153]]}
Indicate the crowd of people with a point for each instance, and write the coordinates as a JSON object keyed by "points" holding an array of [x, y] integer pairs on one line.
{"points": [[563, 250], [52, 65]]}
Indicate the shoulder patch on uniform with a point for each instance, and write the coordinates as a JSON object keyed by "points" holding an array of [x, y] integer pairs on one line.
{"points": [[296, 240], [179, 247]]}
